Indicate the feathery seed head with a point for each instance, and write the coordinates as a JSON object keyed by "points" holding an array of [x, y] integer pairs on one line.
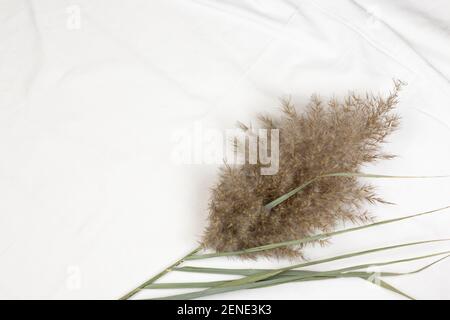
{"points": [[326, 138]]}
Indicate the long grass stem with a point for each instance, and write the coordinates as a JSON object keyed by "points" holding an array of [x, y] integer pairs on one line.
{"points": [[159, 275]]}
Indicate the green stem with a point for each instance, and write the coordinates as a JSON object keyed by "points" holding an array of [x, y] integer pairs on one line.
{"points": [[159, 275], [291, 193]]}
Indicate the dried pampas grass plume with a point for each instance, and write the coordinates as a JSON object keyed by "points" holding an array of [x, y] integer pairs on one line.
{"points": [[325, 138], [321, 151]]}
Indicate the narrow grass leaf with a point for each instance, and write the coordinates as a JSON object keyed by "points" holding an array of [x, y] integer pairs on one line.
{"points": [[309, 239], [389, 287], [287, 279], [291, 193], [309, 276]]}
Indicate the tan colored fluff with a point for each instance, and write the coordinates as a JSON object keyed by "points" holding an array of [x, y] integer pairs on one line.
{"points": [[325, 138]]}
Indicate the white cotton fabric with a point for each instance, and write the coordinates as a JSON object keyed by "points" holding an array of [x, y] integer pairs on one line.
{"points": [[92, 94]]}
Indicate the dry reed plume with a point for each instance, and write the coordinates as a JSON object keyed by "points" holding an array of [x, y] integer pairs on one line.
{"points": [[338, 136]]}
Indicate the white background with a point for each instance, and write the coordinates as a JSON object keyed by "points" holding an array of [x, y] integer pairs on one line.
{"points": [[92, 92]]}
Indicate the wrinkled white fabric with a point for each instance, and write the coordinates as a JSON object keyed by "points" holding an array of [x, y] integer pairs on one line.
{"points": [[92, 92]]}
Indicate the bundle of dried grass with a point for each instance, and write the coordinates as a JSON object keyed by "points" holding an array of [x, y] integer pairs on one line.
{"points": [[316, 187], [325, 138]]}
